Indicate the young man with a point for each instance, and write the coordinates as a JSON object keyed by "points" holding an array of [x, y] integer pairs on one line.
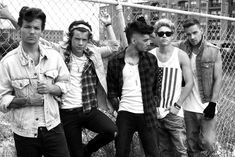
{"points": [[175, 65], [200, 106], [31, 76], [131, 81], [88, 90]]}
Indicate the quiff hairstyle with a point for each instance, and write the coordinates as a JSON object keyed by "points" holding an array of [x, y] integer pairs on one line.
{"points": [[164, 22]]}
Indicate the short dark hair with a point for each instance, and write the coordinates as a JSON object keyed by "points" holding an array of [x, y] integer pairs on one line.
{"points": [[141, 19], [137, 27], [73, 27], [190, 22], [30, 14]]}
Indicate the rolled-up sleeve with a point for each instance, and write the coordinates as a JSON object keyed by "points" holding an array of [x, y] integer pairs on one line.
{"points": [[109, 48], [63, 78], [6, 89]]}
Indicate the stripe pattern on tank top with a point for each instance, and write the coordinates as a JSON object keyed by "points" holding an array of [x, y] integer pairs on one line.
{"points": [[167, 78]]}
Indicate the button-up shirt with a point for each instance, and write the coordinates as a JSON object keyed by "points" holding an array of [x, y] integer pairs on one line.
{"points": [[147, 70], [19, 78]]}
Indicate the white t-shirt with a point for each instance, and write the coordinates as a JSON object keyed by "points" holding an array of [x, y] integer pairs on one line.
{"points": [[131, 99], [193, 102], [73, 98]]}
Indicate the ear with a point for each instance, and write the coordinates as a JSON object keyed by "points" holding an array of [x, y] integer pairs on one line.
{"points": [[41, 34], [90, 37], [133, 41], [201, 29]]}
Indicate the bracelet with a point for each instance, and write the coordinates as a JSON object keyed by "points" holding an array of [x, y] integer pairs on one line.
{"points": [[177, 106], [108, 24]]}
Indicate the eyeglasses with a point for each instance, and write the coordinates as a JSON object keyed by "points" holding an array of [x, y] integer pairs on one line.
{"points": [[161, 34]]}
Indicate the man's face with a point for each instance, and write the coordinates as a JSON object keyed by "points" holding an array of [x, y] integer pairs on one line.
{"points": [[164, 36], [31, 31], [79, 41], [141, 42], [194, 34], [153, 41]]}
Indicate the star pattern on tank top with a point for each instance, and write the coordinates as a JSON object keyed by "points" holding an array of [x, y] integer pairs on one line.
{"points": [[159, 79]]}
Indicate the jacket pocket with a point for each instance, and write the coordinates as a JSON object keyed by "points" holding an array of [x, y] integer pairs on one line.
{"points": [[20, 87], [51, 75]]}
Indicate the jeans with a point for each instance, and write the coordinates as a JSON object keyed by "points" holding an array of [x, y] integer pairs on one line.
{"points": [[96, 121], [172, 136], [201, 134], [127, 124], [50, 143]]}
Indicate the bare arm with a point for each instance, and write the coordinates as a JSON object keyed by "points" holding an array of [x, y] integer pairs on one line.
{"points": [[34, 100], [5, 14], [217, 78], [106, 20], [17, 103], [112, 45], [47, 88], [187, 75]]}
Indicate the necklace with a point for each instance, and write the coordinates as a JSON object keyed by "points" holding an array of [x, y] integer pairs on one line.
{"points": [[80, 62]]}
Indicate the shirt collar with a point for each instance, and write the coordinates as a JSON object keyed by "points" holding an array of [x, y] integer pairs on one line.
{"points": [[202, 44], [122, 54], [24, 57]]}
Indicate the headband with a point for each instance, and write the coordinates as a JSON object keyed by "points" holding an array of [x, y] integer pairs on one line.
{"points": [[81, 26]]}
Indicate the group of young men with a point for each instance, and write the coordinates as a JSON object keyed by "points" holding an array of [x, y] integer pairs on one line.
{"points": [[54, 91]]}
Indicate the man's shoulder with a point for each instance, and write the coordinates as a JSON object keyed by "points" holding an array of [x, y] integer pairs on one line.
{"points": [[10, 56], [151, 55], [210, 45], [119, 56], [153, 51], [49, 51], [181, 52]]}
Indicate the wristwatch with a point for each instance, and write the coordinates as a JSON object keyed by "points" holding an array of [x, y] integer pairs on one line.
{"points": [[177, 106], [108, 24]]}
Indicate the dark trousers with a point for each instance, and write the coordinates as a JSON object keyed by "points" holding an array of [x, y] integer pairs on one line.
{"points": [[50, 143], [128, 123], [96, 121]]}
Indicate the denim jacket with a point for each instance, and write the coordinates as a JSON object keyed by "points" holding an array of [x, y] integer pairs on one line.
{"points": [[205, 65], [19, 79]]}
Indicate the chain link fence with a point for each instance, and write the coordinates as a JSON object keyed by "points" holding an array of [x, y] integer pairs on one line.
{"points": [[61, 13]]}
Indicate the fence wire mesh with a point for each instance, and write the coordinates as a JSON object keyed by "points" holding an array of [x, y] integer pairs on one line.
{"points": [[61, 13]]}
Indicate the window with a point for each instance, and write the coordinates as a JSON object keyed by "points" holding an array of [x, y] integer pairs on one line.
{"points": [[213, 12]]}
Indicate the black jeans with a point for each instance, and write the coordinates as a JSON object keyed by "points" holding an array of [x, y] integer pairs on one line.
{"points": [[50, 143], [96, 121], [128, 123]]}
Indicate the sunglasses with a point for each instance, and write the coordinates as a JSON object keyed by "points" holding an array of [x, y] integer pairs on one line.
{"points": [[161, 34]]}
